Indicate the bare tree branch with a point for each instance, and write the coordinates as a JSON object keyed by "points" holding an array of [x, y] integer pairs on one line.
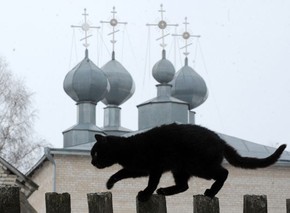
{"points": [[18, 145]]}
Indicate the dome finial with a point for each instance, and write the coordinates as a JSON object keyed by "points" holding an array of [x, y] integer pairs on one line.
{"points": [[113, 55], [87, 53], [163, 54], [186, 61], [85, 27]]}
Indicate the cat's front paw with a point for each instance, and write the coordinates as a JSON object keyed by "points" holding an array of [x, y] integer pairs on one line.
{"points": [[110, 183], [143, 196], [161, 191], [209, 194]]}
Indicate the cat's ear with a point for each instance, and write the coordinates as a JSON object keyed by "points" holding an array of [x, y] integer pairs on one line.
{"points": [[100, 138]]}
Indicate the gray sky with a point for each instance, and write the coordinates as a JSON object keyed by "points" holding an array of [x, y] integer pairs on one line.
{"points": [[243, 55]]}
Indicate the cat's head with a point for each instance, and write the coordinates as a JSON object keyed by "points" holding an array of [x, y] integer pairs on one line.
{"points": [[102, 152]]}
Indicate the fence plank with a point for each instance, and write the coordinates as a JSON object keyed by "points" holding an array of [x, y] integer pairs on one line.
{"points": [[100, 202], [156, 204], [57, 203], [255, 204], [9, 199], [204, 204], [288, 205]]}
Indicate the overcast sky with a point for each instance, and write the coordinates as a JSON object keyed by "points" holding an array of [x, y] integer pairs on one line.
{"points": [[243, 55]]}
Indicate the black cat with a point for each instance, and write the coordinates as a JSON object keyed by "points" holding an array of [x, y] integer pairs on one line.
{"points": [[185, 150]]}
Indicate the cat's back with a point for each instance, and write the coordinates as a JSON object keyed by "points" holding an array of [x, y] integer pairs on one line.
{"points": [[177, 134]]}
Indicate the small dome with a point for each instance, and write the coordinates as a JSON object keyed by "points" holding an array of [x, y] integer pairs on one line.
{"points": [[122, 85], [163, 71], [86, 82], [189, 86]]}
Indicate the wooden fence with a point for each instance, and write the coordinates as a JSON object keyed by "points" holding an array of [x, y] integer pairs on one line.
{"points": [[102, 203]]}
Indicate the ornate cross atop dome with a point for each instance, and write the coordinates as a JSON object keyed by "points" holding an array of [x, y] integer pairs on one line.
{"points": [[162, 25], [113, 22], [85, 27], [186, 36]]}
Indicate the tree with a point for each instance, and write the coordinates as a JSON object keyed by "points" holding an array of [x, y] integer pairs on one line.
{"points": [[18, 143]]}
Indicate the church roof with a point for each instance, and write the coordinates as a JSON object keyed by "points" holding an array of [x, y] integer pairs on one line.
{"points": [[162, 99], [251, 149]]}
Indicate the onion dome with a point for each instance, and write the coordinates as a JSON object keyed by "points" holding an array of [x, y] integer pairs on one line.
{"points": [[163, 71], [122, 85], [189, 86], [86, 82]]}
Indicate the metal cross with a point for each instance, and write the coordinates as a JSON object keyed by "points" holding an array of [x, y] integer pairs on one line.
{"points": [[162, 25], [113, 22], [85, 27], [186, 35]]}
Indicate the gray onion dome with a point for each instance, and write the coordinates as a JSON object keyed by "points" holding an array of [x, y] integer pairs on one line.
{"points": [[86, 82], [163, 71], [122, 85], [189, 86]]}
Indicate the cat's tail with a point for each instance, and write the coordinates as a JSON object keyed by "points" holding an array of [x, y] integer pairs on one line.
{"points": [[236, 160]]}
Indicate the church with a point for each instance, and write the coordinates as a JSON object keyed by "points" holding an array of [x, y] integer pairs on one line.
{"points": [[68, 169]]}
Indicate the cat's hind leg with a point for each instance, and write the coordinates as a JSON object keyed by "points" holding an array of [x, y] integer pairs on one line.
{"points": [[219, 175], [181, 184]]}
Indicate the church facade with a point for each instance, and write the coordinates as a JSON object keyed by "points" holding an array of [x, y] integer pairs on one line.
{"points": [[68, 169]]}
